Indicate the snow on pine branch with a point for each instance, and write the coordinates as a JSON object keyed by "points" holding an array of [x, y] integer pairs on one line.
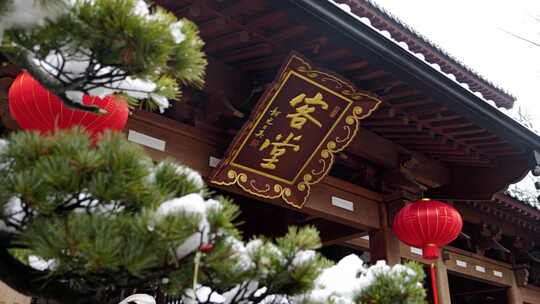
{"points": [[102, 80], [24, 14], [65, 46], [188, 205], [342, 283], [39, 263]]}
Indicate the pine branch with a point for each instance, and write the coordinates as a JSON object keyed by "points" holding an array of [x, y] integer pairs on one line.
{"points": [[7, 239]]}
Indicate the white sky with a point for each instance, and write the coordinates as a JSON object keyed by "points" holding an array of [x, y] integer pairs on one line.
{"points": [[470, 30]]}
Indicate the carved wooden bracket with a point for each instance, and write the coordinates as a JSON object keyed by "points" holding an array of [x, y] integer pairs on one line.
{"points": [[522, 275], [488, 237], [403, 178], [521, 251]]}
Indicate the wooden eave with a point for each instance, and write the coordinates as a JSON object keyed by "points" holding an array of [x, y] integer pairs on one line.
{"points": [[505, 209], [517, 208], [346, 31], [423, 112]]}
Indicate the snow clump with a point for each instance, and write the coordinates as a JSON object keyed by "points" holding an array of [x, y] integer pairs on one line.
{"points": [[191, 204], [25, 14], [341, 282], [40, 264]]}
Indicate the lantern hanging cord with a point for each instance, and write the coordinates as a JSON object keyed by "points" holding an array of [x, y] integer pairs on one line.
{"points": [[434, 284]]}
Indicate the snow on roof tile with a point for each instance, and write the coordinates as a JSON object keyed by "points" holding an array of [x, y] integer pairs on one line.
{"points": [[388, 25]]}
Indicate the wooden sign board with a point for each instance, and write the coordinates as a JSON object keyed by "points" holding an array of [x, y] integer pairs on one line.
{"points": [[287, 145]]}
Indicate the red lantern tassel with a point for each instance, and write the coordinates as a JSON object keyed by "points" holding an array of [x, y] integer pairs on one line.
{"points": [[434, 284]]}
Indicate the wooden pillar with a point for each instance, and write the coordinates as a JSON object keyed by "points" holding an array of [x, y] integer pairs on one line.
{"points": [[383, 243], [513, 293], [443, 288]]}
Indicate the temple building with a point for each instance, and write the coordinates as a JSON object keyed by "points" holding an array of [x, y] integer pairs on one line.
{"points": [[335, 114]]}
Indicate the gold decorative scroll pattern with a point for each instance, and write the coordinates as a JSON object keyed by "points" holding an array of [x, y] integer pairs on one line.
{"points": [[360, 105]]}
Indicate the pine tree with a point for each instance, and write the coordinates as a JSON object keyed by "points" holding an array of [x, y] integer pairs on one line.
{"points": [[105, 219], [82, 223]]}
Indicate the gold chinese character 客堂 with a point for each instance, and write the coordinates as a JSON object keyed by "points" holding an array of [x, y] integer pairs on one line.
{"points": [[279, 148], [303, 113]]}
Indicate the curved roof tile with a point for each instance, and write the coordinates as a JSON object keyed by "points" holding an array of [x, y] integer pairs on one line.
{"points": [[401, 32]]}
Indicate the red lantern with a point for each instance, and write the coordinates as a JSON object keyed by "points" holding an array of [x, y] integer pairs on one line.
{"points": [[35, 108], [428, 224]]}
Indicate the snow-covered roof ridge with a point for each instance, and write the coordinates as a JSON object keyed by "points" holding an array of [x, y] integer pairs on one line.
{"points": [[399, 31]]}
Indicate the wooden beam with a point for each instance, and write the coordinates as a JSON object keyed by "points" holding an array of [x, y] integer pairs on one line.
{"points": [[415, 102], [483, 135], [288, 33], [194, 148], [227, 41], [357, 243], [467, 264], [353, 66], [266, 62], [422, 110], [237, 7], [363, 76], [376, 122], [401, 135], [375, 85], [264, 20], [478, 142], [462, 131], [256, 50], [448, 152], [400, 94], [429, 141], [332, 234], [381, 151], [438, 117], [458, 123], [331, 54], [394, 129]]}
